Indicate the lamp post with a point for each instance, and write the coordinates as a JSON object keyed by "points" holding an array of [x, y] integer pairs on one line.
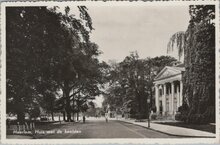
{"points": [[148, 104]]}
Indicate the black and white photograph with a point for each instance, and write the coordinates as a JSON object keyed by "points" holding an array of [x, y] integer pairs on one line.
{"points": [[134, 71]]}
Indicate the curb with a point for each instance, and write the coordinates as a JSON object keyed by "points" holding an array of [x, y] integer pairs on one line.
{"points": [[168, 133]]}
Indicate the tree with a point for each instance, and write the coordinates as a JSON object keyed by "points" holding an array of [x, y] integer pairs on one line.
{"points": [[177, 43], [79, 70], [26, 43], [199, 77], [48, 103], [131, 83], [154, 66], [48, 51]]}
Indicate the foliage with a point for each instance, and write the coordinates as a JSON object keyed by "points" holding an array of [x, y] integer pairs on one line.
{"points": [[177, 41], [25, 43], [47, 52], [199, 78], [131, 83], [154, 116], [178, 117], [35, 112]]}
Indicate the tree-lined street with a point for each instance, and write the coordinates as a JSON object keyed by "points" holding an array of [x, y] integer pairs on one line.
{"points": [[55, 74], [100, 129]]}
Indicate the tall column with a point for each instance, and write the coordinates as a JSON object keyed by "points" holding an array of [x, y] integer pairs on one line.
{"points": [[181, 93], [164, 99], [172, 97], [178, 97], [157, 98]]}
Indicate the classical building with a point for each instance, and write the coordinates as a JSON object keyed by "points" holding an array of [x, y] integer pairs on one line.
{"points": [[168, 90]]}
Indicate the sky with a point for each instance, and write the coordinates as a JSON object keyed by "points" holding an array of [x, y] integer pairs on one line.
{"points": [[120, 30]]}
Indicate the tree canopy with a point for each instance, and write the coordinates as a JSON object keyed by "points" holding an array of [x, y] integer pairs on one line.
{"points": [[131, 84], [199, 78], [53, 64], [49, 51]]}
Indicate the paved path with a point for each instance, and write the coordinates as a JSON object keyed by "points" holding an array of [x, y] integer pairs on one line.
{"points": [[173, 130], [101, 129], [19, 137]]}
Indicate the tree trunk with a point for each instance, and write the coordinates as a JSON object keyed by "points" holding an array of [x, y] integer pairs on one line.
{"points": [[77, 115], [67, 98], [52, 109], [78, 110], [73, 111], [68, 116], [52, 115], [139, 105], [68, 109], [21, 117], [20, 111], [64, 116], [73, 116]]}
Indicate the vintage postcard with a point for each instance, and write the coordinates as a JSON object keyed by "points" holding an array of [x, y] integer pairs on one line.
{"points": [[110, 72]]}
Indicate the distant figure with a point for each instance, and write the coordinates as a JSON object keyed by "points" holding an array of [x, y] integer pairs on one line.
{"points": [[106, 117], [84, 119]]}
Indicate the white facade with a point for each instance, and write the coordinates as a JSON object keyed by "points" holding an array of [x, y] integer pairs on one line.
{"points": [[168, 90]]}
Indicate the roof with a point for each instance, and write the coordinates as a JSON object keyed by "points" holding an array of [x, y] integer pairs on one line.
{"points": [[169, 71]]}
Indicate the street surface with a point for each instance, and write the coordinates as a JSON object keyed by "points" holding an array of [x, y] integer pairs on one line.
{"points": [[100, 129]]}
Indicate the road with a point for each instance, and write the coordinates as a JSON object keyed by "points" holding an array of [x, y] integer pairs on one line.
{"points": [[100, 129]]}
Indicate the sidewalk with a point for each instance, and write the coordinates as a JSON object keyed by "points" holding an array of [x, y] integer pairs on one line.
{"points": [[18, 137], [172, 130]]}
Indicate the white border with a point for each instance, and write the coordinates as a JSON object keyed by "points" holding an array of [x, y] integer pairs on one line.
{"points": [[92, 141], [217, 67]]}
